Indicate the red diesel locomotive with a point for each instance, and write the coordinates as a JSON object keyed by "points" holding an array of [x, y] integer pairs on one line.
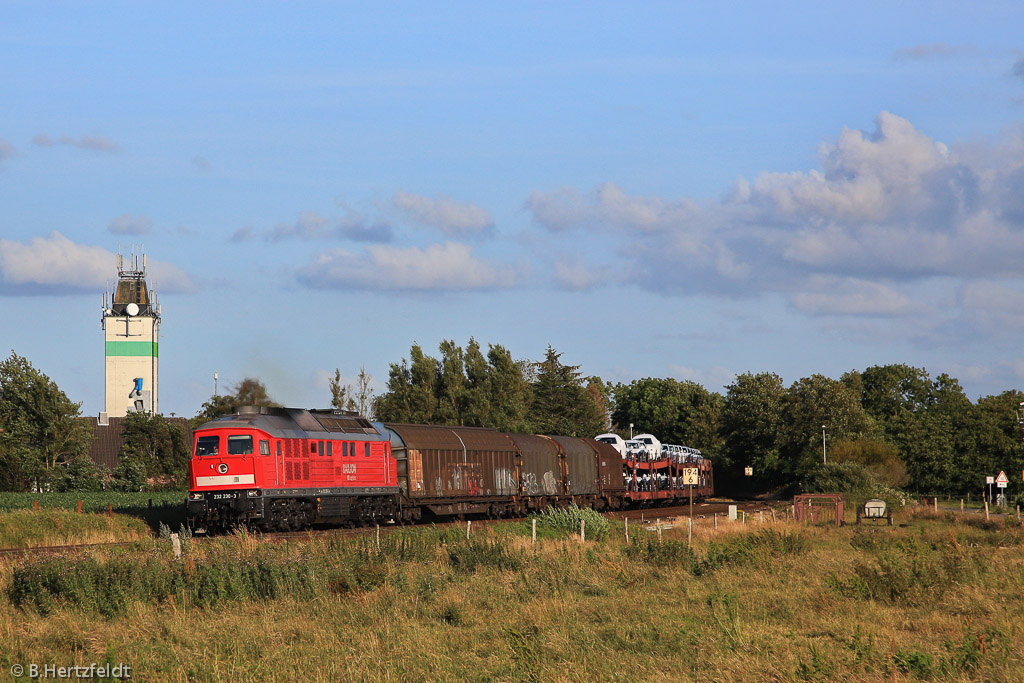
{"points": [[288, 468]]}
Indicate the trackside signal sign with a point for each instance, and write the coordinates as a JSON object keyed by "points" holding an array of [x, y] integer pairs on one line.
{"points": [[1001, 480]]}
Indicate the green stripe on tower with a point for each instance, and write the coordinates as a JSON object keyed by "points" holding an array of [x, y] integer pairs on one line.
{"points": [[133, 348]]}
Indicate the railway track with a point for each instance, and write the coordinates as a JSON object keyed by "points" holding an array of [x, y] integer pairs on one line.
{"points": [[702, 509]]}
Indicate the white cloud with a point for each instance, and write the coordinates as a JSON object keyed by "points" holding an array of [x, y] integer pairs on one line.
{"points": [[311, 226], [96, 143], [127, 224], [453, 218], [883, 209], [847, 296], [55, 263], [439, 267], [608, 207]]}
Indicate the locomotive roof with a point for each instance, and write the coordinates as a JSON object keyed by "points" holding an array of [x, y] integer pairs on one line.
{"points": [[299, 423]]}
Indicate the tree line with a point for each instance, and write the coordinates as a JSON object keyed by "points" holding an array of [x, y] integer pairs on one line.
{"points": [[891, 426]]}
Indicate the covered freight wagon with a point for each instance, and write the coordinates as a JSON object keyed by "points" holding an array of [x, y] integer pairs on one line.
{"points": [[455, 470]]}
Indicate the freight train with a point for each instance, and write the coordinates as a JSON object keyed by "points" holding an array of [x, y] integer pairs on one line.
{"points": [[290, 468]]}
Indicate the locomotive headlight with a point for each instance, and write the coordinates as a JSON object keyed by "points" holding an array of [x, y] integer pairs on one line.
{"points": [[253, 493], [195, 495]]}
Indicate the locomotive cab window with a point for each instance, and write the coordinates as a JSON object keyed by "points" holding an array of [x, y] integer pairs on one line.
{"points": [[240, 444], [330, 448], [264, 447], [312, 447], [367, 450], [207, 445]]}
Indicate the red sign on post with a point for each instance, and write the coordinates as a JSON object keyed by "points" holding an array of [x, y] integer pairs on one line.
{"points": [[1001, 479]]}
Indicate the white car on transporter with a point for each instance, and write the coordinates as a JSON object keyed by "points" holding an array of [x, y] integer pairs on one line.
{"points": [[615, 441], [651, 443]]}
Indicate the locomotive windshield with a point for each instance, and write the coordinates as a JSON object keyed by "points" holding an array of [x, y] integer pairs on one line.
{"points": [[207, 445], [240, 444]]}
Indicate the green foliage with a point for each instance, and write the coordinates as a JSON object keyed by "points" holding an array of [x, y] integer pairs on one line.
{"points": [[561, 404], [810, 403], [40, 424], [160, 447], [464, 388], [751, 428], [880, 459], [468, 556], [81, 474], [130, 475], [677, 412], [567, 520], [851, 478]]}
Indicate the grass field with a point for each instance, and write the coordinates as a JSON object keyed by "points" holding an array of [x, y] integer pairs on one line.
{"points": [[936, 599], [168, 507]]}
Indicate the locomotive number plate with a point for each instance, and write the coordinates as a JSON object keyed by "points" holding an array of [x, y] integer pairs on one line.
{"points": [[224, 496], [349, 468]]}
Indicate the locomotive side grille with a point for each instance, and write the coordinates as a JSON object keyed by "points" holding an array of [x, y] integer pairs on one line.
{"points": [[305, 470]]}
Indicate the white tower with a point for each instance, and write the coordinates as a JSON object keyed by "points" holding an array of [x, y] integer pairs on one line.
{"points": [[131, 327]]}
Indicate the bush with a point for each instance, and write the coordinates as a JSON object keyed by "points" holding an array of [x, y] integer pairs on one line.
{"points": [[838, 477], [567, 520]]}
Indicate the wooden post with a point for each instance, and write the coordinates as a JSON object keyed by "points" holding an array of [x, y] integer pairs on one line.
{"points": [[79, 507], [469, 523], [689, 532], [961, 505], [583, 531], [658, 524], [936, 501], [110, 510], [762, 516], [535, 531], [627, 529], [716, 521], [986, 510], [773, 515], [35, 504], [176, 544], [378, 538]]}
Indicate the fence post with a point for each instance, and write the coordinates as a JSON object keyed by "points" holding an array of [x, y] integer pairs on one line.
{"points": [[986, 510], [583, 531], [176, 544], [35, 504], [534, 531], [110, 510], [936, 501], [689, 533], [961, 505], [773, 515], [469, 523], [627, 529], [716, 521], [79, 507], [658, 524], [378, 537], [762, 516]]}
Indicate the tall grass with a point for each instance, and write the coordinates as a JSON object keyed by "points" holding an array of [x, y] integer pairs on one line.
{"points": [[742, 603], [36, 528]]}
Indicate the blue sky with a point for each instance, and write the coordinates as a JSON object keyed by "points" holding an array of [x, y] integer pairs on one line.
{"points": [[683, 190]]}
